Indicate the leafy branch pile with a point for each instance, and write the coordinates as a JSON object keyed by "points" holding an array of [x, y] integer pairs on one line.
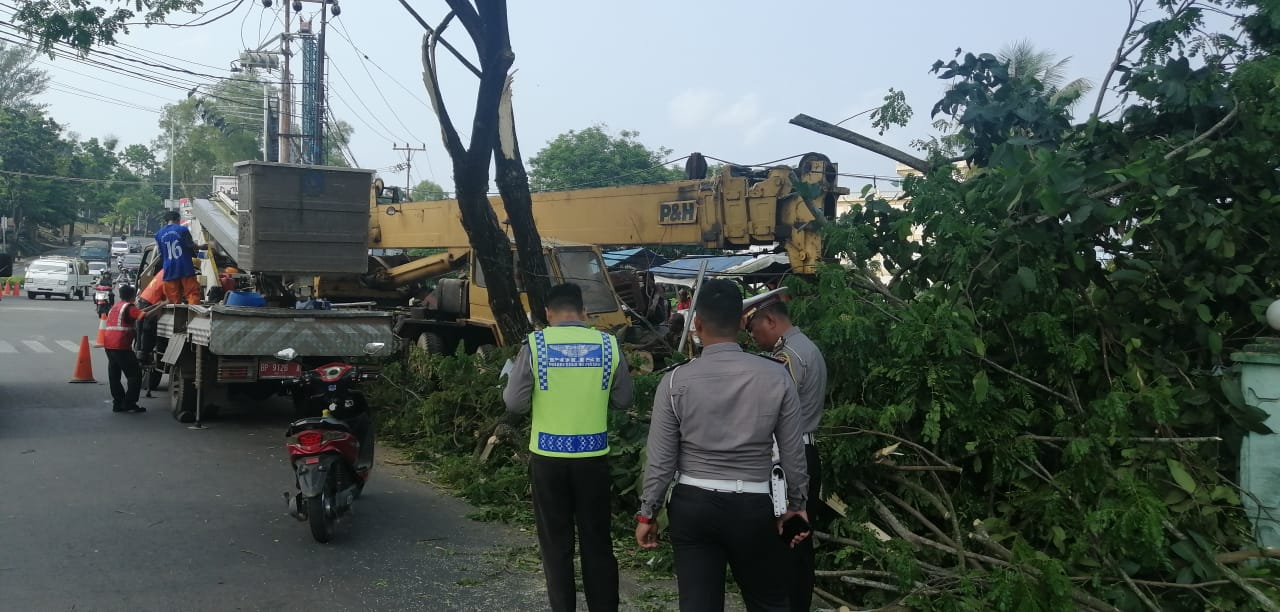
{"points": [[1037, 411], [444, 408]]}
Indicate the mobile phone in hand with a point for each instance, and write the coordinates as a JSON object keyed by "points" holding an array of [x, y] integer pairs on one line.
{"points": [[793, 527]]}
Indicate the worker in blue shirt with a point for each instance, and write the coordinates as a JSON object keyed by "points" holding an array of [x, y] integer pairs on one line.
{"points": [[176, 250]]}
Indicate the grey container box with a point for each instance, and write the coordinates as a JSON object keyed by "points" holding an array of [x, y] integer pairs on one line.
{"points": [[303, 219]]}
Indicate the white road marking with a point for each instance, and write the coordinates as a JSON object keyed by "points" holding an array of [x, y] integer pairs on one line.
{"points": [[36, 346], [69, 345], [5, 347]]}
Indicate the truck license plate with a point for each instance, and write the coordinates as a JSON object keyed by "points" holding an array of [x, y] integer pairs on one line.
{"points": [[278, 369]]}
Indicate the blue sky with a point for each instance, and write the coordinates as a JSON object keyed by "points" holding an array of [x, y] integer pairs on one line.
{"points": [[718, 77]]}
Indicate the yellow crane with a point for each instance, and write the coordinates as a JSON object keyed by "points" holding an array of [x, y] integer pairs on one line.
{"points": [[734, 209]]}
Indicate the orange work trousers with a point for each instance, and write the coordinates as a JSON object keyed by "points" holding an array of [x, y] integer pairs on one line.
{"points": [[175, 290]]}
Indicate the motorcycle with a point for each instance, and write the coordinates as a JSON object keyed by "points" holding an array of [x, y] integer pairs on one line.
{"points": [[103, 298], [331, 454]]}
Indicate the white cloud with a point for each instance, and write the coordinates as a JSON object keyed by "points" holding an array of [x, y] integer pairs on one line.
{"points": [[692, 107], [741, 113], [709, 108]]}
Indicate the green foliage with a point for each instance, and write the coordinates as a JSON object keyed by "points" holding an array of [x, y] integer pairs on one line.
{"points": [[83, 25], [426, 190], [443, 409], [1074, 295], [594, 158], [20, 81]]}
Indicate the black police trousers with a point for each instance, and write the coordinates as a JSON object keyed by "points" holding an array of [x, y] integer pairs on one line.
{"points": [[710, 530], [569, 492], [800, 586]]}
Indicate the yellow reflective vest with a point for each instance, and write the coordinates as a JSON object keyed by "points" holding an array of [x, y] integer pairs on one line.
{"points": [[573, 370]]}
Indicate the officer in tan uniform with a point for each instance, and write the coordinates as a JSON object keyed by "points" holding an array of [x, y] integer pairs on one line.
{"points": [[766, 319], [714, 421]]}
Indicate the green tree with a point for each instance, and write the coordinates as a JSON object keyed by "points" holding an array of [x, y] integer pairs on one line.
{"points": [[592, 157], [20, 81], [31, 148], [426, 190], [1050, 358], [1026, 61]]}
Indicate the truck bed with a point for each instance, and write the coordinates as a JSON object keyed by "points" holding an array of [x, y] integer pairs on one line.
{"points": [[240, 330]]}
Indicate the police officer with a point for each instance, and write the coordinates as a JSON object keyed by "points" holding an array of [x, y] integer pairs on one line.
{"points": [[714, 420], [766, 319], [569, 375]]}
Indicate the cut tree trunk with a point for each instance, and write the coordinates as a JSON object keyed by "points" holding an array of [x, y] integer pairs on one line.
{"points": [[513, 184]]}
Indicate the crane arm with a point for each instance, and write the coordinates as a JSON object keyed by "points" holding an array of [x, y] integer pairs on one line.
{"points": [[732, 210]]}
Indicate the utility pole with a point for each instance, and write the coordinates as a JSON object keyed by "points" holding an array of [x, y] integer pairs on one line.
{"points": [[324, 19], [171, 147], [286, 93], [408, 164]]}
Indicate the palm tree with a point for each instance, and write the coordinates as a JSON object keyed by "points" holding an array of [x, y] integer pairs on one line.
{"points": [[1025, 61]]}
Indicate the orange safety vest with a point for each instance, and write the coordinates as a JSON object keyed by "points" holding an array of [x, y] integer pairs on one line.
{"points": [[118, 334]]}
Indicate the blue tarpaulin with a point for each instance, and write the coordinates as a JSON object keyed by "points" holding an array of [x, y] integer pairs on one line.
{"points": [[685, 270], [638, 258]]}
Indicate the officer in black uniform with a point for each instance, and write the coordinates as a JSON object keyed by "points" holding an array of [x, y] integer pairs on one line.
{"points": [[715, 420]]}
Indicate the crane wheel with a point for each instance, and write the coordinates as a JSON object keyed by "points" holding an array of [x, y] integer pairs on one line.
{"points": [[431, 343]]}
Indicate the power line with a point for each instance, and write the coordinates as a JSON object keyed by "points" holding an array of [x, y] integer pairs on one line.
{"points": [[73, 179], [359, 117], [361, 100], [166, 81], [360, 55]]}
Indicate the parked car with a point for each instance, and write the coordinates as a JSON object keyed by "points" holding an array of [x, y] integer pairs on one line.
{"points": [[131, 263], [53, 275]]}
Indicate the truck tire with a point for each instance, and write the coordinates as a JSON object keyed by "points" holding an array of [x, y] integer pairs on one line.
{"points": [[431, 343], [31, 295], [80, 295], [182, 397]]}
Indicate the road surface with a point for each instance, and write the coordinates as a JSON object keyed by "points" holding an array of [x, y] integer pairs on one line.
{"points": [[106, 511]]}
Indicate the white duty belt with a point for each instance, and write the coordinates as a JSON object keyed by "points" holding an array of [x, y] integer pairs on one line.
{"points": [[725, 486]]}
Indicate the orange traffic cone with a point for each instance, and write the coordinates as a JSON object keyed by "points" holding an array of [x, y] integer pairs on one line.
{"points": [[84, 364], [102, 332]]}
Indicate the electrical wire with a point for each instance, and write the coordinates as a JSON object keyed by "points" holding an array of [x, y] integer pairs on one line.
{"points": [[613, 178], [358, 116], [361, 55], [761, 165], [72, 179], [360, 99], [167, 81], [69, 89]]}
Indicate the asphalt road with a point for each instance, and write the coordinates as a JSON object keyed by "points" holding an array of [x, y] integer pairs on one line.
{"points": [[106, 511]]}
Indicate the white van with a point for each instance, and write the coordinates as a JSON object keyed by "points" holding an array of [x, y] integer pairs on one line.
{"points": [[65, 276]]}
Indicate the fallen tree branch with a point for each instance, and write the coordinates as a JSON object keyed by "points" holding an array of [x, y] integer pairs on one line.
{"points": [[1142, 440], [856, 139], [1240, 556], [1102, 193], [922, 468]]}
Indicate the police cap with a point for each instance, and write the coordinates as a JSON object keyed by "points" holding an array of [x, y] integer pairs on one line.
{"points": [[752, 306]]}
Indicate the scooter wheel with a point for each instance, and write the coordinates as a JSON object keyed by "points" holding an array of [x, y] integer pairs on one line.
{"points": [[321, 522]]}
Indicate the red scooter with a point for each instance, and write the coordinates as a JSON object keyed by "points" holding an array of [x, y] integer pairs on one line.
{"points": [[331, 454]]}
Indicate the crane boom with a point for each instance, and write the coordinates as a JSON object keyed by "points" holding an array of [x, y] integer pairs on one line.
{"points": [[735, 209]]}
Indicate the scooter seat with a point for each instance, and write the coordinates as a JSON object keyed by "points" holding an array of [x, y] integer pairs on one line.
{"points": [[328, 423]]}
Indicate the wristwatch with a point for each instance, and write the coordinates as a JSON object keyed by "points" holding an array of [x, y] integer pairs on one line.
{"points": [[647, 520]]}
